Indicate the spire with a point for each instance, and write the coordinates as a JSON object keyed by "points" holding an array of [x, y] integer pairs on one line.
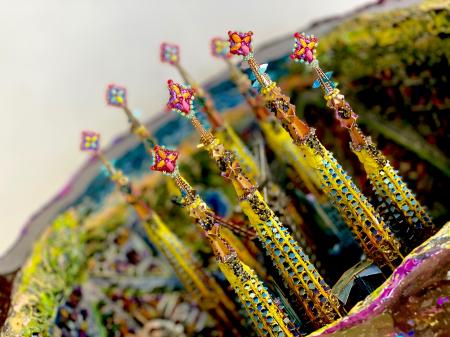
{"points": [[303, 280], [366, 225], [266, 316], [200, 285], [277, 138], [389, 187]]}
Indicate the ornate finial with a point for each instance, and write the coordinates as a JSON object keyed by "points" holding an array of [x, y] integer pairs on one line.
{"points": [[305, 51], [170, 53], [165, 160], [90, 141], [220, 48], [304, 48], [240, 43], [181, 98], [116, 95]]}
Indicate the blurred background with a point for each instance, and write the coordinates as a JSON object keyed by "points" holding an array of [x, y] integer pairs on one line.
{"points": [[57, 57]]}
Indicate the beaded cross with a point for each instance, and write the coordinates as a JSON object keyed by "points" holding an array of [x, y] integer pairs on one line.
{"points": [[165, 160], [220, 48], [304, 48], [181, 98], [240, 43], [170, 53], [116, 95], [90, 141]]}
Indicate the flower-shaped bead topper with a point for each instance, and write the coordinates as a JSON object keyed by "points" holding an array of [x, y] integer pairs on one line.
{"points": [[220, 48], [304, 48], [240, 43], [90, 141], [181, 98], [116, 95], [170, 53], [165, 160]]}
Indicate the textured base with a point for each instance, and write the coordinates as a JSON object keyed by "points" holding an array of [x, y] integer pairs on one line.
{"points": [[414, 301]]}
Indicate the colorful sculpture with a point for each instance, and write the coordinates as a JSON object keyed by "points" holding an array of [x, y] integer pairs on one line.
{"points": [[267, 317]]}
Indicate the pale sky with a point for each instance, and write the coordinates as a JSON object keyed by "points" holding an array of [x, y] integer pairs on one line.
{"points": [[57, 56]]}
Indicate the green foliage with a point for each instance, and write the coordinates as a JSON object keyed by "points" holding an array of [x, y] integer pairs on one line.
{"points": [[52, 269]]}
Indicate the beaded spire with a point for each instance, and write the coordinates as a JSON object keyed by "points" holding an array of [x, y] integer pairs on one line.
{"points": [[389, 187], [367, 226], [116, 96], [320, 305], [199, 284], [268, 318], [277, 138], [279, 141]]}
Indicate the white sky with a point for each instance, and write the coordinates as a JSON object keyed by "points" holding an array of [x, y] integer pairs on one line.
{"points": [[56, 57]]}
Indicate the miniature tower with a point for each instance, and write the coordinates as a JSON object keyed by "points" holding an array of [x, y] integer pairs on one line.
{"points": [[387, 184], [367, 226], [268, 319], [320, 305], [171, 54], [277, 138], [199, 284]]}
